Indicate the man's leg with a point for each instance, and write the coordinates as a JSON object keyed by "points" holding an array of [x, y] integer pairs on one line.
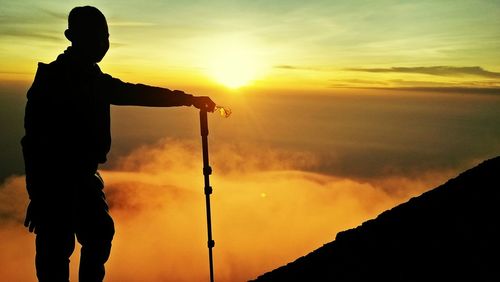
{"points": [[54, 246], [94, 253], [96, 248], [94, 232]]}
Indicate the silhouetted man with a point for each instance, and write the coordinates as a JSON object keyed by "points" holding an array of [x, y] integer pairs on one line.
{"points": [[67, 123]]}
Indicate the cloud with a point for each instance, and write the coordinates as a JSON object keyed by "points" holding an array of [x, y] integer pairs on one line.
{"points": [[56, 15], [287, 67], [434, 70], [267, 209], [31, 22], [48, 36], [356, 83], [292, 67], [468, 87], [17, 255], [258, 194], [13, 200], [483, 87], [130, 24], [444, 89]]}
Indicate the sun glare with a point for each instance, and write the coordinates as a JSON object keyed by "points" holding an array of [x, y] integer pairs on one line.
{"points": [[234, 62]]}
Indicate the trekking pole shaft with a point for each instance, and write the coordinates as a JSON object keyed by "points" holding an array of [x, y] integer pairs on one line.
{"points": [[207, 170]]}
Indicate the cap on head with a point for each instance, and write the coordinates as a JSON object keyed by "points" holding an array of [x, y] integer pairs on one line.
{"points": [[88, 32], [86, 21]]}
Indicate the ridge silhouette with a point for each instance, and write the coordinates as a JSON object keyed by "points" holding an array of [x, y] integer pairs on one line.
{"points": [[450, 233], [67, 135]]}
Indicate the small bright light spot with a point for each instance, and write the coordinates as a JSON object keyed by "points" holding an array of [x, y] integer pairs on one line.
{"points": [[263, 195]]}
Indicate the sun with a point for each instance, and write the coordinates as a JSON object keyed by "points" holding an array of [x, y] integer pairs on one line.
{"points": [[234, 62], [233, 68]]}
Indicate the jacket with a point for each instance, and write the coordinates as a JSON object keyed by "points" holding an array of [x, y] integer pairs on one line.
{"points": [[67, 115]]}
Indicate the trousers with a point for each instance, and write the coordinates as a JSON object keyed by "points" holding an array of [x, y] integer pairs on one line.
{"points": [[79, 209]]}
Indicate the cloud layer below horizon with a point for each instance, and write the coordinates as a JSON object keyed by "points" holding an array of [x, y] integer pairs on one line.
{"points": [[267, 210]]}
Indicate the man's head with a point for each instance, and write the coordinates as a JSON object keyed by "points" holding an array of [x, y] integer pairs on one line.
{"points": [[88, 33]]}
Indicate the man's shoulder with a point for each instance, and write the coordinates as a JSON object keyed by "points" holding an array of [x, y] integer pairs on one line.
{"points": [[49, 78], [49, 69], [45, 73]]}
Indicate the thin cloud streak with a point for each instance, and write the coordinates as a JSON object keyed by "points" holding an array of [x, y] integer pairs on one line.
{"points": [[45, 36], [456, 90], [471, 87], [437, 89], [130, 24], [56, 15], [434, 70], [308, 68]]}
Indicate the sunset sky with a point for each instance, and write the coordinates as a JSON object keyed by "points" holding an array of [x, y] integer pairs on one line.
{"points": [[341, 110], [274, 44]]}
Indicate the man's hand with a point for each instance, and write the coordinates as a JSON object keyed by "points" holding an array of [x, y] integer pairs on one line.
{"points": [[204, 103], [31, 220]]}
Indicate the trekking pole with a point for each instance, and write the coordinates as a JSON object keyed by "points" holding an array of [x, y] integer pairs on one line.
{"points": [[207, 170]]}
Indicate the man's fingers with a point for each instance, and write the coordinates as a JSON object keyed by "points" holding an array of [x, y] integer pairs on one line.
{"points": [[204, 103], [28, 221], [209, 104]]}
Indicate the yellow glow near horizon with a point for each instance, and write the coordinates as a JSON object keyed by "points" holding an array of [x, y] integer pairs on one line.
{"points": [[234, 62]]}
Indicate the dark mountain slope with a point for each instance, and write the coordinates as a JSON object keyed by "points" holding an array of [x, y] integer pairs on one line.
{"points": [[451, 233]]}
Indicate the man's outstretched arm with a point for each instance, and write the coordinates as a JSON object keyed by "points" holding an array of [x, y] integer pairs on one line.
{"points": [[129, 94]]}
